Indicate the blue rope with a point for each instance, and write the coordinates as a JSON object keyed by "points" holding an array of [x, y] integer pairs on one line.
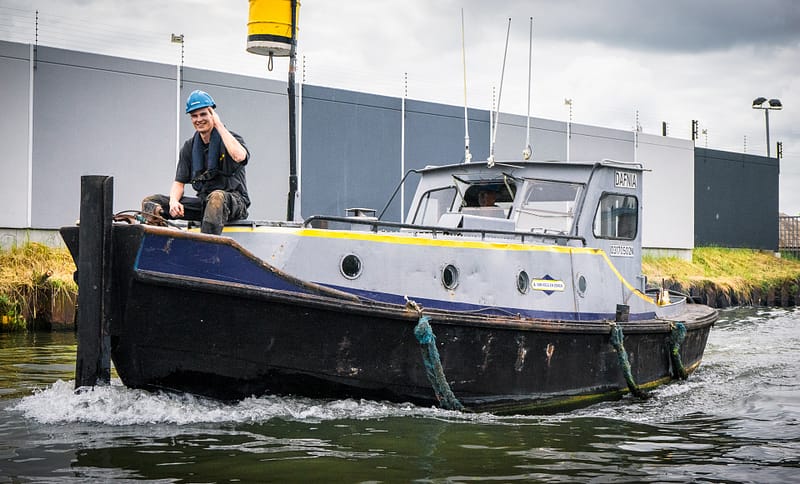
{"points": [[676, 336], [616, 341], [433, 366]]}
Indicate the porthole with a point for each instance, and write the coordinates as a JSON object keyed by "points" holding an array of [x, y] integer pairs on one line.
{"points": [[350, 266], [523, 282], [581, 286], [450, 276]]}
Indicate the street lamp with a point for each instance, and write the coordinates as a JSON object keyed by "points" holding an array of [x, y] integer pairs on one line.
{"points": [[568, 102], [758, 103]]}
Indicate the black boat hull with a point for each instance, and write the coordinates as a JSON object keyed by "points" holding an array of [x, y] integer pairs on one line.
{"points": [[228, 340]]}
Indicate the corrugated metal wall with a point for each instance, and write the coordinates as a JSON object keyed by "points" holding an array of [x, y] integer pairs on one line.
{"points": [[95, 114], [736, 200]]}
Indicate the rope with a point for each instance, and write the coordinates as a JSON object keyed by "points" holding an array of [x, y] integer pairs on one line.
{"points": [[616, 341], [676, 336], [433, 366]]}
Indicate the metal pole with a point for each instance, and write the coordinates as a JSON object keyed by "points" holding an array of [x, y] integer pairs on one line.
{"points": [[292, 121], [766, 116], [403, 146]]}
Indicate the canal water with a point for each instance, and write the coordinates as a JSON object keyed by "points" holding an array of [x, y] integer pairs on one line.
{"points": [[737, 419]]}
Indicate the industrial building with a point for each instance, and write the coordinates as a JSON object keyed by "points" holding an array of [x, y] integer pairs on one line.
{"points": [[69, 113]]}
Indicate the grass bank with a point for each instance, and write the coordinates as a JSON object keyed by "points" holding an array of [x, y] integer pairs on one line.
{"points": [[37, 288], [729, 277]]}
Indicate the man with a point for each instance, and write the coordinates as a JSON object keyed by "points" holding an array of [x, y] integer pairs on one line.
{"points": [[213, 161], [487, 198]]}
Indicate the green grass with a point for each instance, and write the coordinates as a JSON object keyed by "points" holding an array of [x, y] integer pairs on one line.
{"points": [[27, 274], [740, 270]]}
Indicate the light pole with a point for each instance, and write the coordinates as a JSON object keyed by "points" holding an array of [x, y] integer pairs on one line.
{"points": [[568, 102], [758, 103]]}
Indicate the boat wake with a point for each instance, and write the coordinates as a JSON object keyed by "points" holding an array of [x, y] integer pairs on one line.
{"points": [[746, 365], [749, 369], [117, 405]]}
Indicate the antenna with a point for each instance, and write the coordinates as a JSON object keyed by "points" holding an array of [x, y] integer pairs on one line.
{"points": [[491, 114], [528, 151], [499, 95], [467, 154]]}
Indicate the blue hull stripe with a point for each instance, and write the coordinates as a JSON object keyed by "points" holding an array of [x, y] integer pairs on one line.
{"points": [[487, 310], [219, 262], [180, 256]]}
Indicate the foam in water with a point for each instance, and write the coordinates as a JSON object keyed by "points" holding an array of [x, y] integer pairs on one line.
{"points": [[736, 368], [118, 405]]}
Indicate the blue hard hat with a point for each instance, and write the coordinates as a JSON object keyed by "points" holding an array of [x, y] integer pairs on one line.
{"points": [[199, 99]]}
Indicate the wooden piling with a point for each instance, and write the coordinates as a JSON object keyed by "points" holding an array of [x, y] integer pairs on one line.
{"points": [[93, 365]]}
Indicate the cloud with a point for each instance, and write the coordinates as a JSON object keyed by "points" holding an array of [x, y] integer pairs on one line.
{"points": [[656, 25]]}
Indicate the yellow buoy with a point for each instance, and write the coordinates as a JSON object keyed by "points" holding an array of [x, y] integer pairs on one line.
{"points": [[269, 27]]}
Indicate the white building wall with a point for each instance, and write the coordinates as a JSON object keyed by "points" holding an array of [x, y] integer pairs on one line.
{"points": [[668, 205]]}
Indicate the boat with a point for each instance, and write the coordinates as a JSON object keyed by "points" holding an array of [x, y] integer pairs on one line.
{"points": [[535, 303], [511, 286]]}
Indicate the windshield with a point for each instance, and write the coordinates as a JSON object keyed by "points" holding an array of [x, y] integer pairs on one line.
{"points": [[548, 206]]}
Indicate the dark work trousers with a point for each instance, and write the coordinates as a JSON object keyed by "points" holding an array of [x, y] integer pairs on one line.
{"points": [[213, 211]]}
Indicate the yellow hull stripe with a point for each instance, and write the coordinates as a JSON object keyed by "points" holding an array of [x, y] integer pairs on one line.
{"points": [[433, 242]]}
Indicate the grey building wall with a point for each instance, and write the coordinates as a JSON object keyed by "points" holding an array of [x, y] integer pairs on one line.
{"points": [[94, 114], [736, 200], [97, 115], [350, 147], [15, 70], [435, 136]]}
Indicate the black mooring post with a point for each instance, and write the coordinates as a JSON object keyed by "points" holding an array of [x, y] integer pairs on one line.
{"points": [[93, 363], [623, 313]]}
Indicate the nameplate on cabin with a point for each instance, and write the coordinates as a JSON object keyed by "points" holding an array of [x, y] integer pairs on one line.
{"points": [[626, 179], [620, 251], [548, 285]]}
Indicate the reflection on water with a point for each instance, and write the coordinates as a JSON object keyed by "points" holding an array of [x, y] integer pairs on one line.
{"points": [[734, 420], [34, 360]]}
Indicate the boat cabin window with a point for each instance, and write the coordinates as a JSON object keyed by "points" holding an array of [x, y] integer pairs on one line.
{"points": [[617, 217], [489, 199], [548, 206], [433, 204]]}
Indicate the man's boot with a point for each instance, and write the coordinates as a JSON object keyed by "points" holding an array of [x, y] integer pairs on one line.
{"points": [[209, 228]]}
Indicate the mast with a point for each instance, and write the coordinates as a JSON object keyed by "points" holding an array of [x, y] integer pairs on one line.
{"points": [[467, 154], [272, 32], [528, 151], [292, 119], [499, 95]]}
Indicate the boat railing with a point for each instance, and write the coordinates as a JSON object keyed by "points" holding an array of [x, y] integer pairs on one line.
{"points": [[374, 225]]}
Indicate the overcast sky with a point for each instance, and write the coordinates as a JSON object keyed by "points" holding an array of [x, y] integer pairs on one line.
{"points": [[672, 61]]}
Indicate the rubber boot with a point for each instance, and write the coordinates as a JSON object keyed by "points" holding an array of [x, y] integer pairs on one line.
{"points": [[209, 228]]}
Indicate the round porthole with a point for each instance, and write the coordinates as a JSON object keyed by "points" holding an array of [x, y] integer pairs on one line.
{"points": [[523, 282], [350, 266], [450, 276], [581, 286]]}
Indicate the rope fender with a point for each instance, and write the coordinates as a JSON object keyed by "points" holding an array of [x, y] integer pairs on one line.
{"points": [[616, 341], [433, 366], [676, 336]]}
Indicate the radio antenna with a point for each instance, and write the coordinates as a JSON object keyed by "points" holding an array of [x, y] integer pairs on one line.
{"points": [[499, 95], [528, 151], [467, 154]]}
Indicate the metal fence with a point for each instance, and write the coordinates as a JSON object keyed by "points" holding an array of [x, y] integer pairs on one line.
{"points": [[789, 235]]}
